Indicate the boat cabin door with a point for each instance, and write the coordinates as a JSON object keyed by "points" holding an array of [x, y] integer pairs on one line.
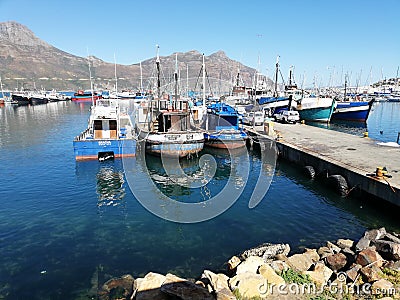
{"points": [[105, 129]]}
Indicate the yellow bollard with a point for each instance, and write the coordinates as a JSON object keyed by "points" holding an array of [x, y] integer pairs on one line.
{"points": [[366, 134]]}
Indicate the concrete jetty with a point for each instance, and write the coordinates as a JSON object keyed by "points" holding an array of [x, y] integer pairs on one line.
{"points": [[354, 158]]}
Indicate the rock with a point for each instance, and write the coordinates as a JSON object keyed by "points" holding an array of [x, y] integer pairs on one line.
{"points": [[278, 266], [185, 290], [343, 243], [117, 287], [266, 251], [269, 274], [149, 287], [233, 262], [353, 272], [382, 287], [336, 261], [391, 237], [321, 274], [388, 249], [248, 284], [300, 262], [281, 257], [251, 264], [369, 256], [370, 274], [350, 256], [393, 266], [312, 254], [375, 234], [324, 252], [362, 244], [219, 284], [333, 247]]}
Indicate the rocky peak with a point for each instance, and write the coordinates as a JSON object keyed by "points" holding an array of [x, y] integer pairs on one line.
{"points": [[18, 34]]}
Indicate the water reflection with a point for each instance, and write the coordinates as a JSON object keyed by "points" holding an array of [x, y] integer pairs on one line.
{"points": [[110, 182]]}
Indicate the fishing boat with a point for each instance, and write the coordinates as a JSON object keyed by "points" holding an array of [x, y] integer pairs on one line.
{"points": [[164, 124], [316, 108], [109, 133], [85, 96], [352, 110], [21, 98], [222, 127]]}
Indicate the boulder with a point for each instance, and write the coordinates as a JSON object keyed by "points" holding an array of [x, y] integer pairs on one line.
{"points": [[333, 247], [233, 262], [185, 290], [300, 262], [375, 234], [369, 256], [382, 287], [278, 266], [353, 272], [391, 237], [269, 274], [395, 266], [266, 251], [388, 249], [247, 284], [345, 243], [324, 252], [251, 264], [219, 284], [362, 244], [149, 287], [320, 274], [336, 261], [312, 254], [370, 274], [117, 287]]}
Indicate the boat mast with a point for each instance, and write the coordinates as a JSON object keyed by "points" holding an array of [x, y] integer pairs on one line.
{"points": [[115, 75], [91, 81], [141, 78], [276, 76], [204, 82], [187, 80], [345, 87], [158, 73], [176, 81]]}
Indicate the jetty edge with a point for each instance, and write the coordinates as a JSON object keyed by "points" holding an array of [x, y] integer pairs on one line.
{"points": [[369, 267], [350, 162]]}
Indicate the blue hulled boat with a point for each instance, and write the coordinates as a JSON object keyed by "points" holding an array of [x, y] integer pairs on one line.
{"points": [[352, 110], [222, 127], [109, 133]]}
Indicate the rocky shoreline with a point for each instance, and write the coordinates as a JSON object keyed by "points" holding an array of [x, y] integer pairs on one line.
{"points": [[345, 269]]}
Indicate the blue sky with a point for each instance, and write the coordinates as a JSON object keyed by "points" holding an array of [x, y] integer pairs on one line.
{"points": [[321, 39]]}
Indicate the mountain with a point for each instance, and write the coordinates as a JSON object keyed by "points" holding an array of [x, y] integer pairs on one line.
{"points": [[27, 61]]}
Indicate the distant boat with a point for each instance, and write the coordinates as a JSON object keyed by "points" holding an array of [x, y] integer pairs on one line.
{"points": [[85, 96], [109, 133], [37, 97], [316, 109], [21, 98], [222, 127], [352, 110]]}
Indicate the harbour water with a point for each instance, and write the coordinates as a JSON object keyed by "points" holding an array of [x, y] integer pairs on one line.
{"points": [[66, 227]]}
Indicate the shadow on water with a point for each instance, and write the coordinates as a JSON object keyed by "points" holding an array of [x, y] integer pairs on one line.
{"points": [[370, 211]]}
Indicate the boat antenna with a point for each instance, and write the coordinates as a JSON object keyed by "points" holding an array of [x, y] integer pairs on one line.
{"points": [[204, 82]]}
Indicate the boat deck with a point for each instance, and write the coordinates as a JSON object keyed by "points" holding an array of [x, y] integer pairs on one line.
{"points": [[339, 153]]}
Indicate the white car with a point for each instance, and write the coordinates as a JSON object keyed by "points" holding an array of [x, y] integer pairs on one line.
{"points": [[287, 116], [253, 118]]}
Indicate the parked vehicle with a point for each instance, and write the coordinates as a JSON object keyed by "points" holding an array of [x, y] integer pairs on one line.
{"points": [[253, 118], [287, 116]]}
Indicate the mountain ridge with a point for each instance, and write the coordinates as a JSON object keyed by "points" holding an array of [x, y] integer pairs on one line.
{"points": [[27, 61]]}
